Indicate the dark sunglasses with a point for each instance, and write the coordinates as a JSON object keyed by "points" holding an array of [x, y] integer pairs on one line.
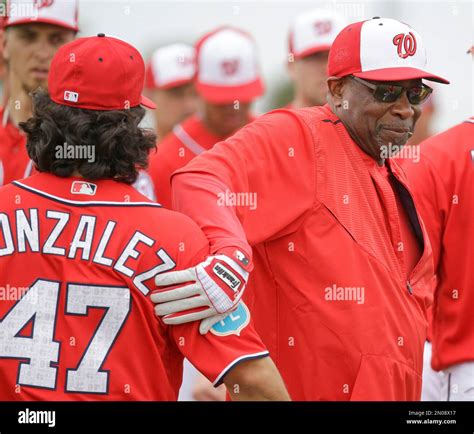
{"points": [[390, 92]]}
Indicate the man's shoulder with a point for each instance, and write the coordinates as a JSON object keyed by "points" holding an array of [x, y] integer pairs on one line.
{"points": [[451, 143]]}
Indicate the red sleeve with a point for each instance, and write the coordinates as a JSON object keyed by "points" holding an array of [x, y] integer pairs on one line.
{"points": [[251, 187], [228, 343], [431, 198]]}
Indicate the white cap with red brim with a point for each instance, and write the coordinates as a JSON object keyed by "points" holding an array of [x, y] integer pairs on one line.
{"points": [[380, 49], [227, 67], [170, 66], [314, 31], [61, 13]]}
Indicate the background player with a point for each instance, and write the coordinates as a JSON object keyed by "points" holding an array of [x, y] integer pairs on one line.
{"points": [[92, 253], [442, 182], [169, 84], [310, 39], [33, 35], [227, 80]]}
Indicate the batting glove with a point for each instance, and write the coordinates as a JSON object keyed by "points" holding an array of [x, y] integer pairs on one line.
{"points": [[208, 292]]}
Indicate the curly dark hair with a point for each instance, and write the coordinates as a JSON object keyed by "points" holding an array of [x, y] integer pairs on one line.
{"points": [[119, 145]]}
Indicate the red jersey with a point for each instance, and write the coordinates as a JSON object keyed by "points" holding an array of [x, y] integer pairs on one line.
{"points": [[186, 141], [77, 264], [337, 299], [14, 160], [443, 183]]}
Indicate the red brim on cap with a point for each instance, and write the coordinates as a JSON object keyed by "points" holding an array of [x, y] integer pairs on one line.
{"points": [[228, 94], [146, 102], [399, 74]]}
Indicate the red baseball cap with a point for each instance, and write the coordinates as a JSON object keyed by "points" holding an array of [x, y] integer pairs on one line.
{"points": [[61, 13], [381, 49], [227, 67], [98, 73]]}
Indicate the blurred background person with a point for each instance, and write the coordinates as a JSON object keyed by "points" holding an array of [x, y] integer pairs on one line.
{"points": [[169, 83], [227, 81], [442, 181], [311, 36], [34, 31]]}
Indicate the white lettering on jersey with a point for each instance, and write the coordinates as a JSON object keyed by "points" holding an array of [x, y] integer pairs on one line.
{"points": [[49, 247], [130, 252], [27, 230], [86, 225], [99, 257], [6, 235]]}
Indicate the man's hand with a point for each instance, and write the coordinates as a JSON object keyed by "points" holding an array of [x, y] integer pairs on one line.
{"points": [[208, 292]]}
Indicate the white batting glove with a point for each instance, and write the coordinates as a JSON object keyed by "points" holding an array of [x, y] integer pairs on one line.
{"points": [[208, 292]]}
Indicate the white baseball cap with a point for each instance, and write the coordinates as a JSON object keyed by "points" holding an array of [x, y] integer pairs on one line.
{"points": [[381, 49], [62, 13], [227, 67], [170, 66], [314, 31]]}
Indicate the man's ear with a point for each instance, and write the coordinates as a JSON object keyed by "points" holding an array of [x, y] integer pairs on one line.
{"points": [[336, 90]]}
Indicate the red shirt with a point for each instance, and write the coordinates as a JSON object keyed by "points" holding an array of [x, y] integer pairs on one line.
{"points": [[330, 293], [83, 255], [14, 160], [443, 184], [186, 141]]}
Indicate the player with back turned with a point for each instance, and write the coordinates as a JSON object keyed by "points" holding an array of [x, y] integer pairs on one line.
{"points": [[78, 253]]}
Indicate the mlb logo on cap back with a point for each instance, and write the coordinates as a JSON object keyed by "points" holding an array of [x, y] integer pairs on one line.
{"points": [[170, 66], [98, 73], [62, 13], [227, 67], [380, 49], [314, 31]]}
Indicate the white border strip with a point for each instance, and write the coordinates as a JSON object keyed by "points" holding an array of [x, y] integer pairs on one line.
{"points": [[237, 360], [78, 202], [187, 140]]}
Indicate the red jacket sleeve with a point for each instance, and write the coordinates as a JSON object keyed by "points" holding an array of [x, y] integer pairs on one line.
{"points": [[252, 187]]}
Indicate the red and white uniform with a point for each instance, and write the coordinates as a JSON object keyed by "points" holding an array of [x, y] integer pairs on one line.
{"points": [[442, 182], [86, 254], [14, 160], [186, 141], [342, 283]]}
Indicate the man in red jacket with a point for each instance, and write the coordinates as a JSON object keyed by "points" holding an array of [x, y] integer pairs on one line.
{"points": [[342, 297], [228, 81], [442, 182]]}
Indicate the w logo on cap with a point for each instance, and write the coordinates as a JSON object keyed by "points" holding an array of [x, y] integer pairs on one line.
{"points": [[322, 27], [406, 44], [230, 67], [40, 4]]}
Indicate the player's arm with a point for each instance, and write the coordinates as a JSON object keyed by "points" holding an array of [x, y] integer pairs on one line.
{"points": [[232, 352], [254, 186], [256, 380]]}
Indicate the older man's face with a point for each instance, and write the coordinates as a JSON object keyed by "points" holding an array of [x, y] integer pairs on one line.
{"points": [[374, 124]]}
